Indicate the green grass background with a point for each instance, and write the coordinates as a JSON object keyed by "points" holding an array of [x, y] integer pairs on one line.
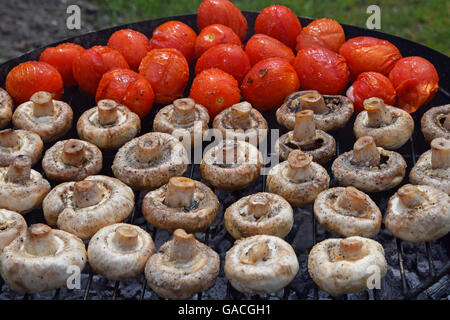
{"points": [[426, 22]]}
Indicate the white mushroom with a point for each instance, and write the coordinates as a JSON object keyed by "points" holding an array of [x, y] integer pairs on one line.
{"points": [[12, 226], [436, 122], [19, 142], [6, 106]]}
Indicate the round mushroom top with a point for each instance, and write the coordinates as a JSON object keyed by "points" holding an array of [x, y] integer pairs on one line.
{"points": [[340, 266], [50, 119], [260, 264], [436, 122], [6, 106], [12, 225], [19, 142]]}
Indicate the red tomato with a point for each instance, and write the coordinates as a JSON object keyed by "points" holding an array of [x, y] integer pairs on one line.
{"points": [[167, 71], [369, 54], [213, 35], [222, 12], [368, 85], [176, 35], [133, 45], [216, 90], [307, 40], [269, 81], [280, 23], [89, 67], [128, 88], [62, 57], [261, 46], [328, 30], [32, 76], [322, 70], [227, 57], [416, 81]]}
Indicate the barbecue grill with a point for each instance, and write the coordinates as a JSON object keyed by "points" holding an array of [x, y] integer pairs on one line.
{"points": [[415, 270]]}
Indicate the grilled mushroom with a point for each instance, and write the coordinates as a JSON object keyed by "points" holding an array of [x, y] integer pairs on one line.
{"points": [[6, 106], [347, 212], [260, 264], [231, 165], [108, 125], [418, 213], [319, 144], [12, 226], [72, 160], [149, 161], [184, 119], [390, 127], [330, 112], [19, 142], [84, 207], [260, 213], [242, 122], [182, 267], [369, 168], [42, 259], [22, 189], [120, 251], [433, 166], [340, 266], [50, 119], [436, 122], [299, 180]]}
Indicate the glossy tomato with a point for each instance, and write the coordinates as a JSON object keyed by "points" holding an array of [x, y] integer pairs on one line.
{"points": [[368, 85], [222, 12], [62, 57], [261, 46], [213, 35], [416, 81], [322, 70], [133, 45], [328, 30], [307, 40], [268, 82], [227, 57], [176, 35], [32, 76], [280, 23], [167, 71], [216, 90]]}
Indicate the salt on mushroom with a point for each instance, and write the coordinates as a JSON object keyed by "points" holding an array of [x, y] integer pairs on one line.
{"points": [[369, 168], [50, 119], [108, 125], [260, 264], [182, 267], [12, 226], [389, 126], [436, 122], [6, 106], [19, 142], [149, 161], [40, 260], [86, 206]]}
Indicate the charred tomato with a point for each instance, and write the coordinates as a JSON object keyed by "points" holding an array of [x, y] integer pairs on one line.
{"points": [[327, 30], [213, 35], [261, 46], [133, 45]]}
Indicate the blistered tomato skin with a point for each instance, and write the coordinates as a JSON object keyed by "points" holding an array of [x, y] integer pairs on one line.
{"points": [[328, 30], [61, 57], [307, 40], [268, 83], [368, 85], [32, 76], [261, 46], [133, 45], [280, 23], [214, 35], [222, 12], [227, 57], [322, 70], [369, 54], [416, 81], [167, 71]]}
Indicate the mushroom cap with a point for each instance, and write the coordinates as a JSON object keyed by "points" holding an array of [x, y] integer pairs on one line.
{"points": [[346, 222], [28, 273], [341, 110], [233, 176], [25, 143], [143, 176], [431, 122], [277, 220], [116, 204], [12, 226], [116, 262], [337, 275], [111, 136], [6, 106], [195, 218], [249, 272], [427, 222]]}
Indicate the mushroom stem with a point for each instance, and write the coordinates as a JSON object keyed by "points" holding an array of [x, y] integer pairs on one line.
{"points": [[107, 112], [350, 249], [240, 115], [183, 246], [126, 238], [410, 196], [305, 127], [257, 252], [19, 170], [440, 153], [352, 199], [378, 114], [313, 101], [86, 193], [149, 149], [8, 138], [73, 153], [229, 154], [184, 111], [258, 205], [180, 192], [365, 152], [299, 168], [40, 241], [42, 104]]}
